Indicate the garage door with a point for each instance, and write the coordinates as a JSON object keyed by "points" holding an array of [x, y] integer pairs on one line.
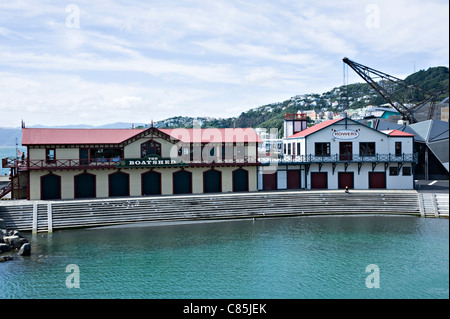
{"points": [[182, 182], [85, 186], [212, 181], [377, 180], [270, 181], [119, 184], [319, 180], [151, 183], [240, 180], [51, 186], [293, 179], [345, 179]]}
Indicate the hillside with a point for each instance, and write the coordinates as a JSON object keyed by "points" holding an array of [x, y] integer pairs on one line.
{"points": [[8, 136], [359, 95], [272, 115]]}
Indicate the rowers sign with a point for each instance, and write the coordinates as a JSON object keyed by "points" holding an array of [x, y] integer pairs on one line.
{"points": [[346, 134], [150, 161]]}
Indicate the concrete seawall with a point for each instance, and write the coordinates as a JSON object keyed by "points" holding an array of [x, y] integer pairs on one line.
{"points": [[46, 216]]}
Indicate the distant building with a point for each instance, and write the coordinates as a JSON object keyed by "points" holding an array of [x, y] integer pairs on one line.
{"points": [[432, 145], [431, 140]]}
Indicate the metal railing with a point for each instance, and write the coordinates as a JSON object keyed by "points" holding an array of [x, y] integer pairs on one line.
{"points": [[342, 158]]}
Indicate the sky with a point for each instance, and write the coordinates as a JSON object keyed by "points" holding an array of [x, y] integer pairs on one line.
{"points": [[106, 61]]}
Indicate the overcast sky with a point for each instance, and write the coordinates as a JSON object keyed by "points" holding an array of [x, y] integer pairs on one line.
{"points": [[98, 62]]}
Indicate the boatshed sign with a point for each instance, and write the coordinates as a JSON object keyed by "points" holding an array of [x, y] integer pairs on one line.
{"points": [[346, 134], [150, 161]]}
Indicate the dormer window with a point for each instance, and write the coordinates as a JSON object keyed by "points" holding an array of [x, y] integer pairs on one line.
{"points": [[150, 148]]}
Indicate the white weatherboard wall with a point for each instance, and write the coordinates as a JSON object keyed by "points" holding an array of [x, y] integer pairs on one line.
{"points": [[384, 144], [366, 135], [400, 181]]}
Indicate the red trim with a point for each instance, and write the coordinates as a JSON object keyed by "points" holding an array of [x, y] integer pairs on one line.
{"points": [[59, 177], [142, 181], [345, 151], [109, 182], [157, 146], [248, 178], [47, 159], [28, 178], [295, 116]]}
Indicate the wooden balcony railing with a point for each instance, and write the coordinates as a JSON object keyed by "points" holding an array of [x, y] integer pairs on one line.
{"points": [[60, 164]]}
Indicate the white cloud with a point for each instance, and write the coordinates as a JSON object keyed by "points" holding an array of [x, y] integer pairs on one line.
{"points": [[212, 58], [62, 99]]}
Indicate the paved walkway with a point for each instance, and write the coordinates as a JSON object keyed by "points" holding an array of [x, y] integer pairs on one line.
{"points": [[432, 186]]}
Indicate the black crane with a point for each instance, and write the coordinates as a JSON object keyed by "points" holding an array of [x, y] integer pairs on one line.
{"points": [[396, 91]]}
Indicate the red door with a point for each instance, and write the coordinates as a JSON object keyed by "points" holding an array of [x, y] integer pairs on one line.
{"points": [[345, 179], [345, 151], [377, 180], [319, 180], [270, 181], [293, 179]]}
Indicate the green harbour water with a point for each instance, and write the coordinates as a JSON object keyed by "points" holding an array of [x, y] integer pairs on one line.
{"points": [[284, 258]]}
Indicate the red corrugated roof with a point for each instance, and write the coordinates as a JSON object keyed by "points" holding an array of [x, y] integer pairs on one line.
{"points": [[315, 128], [396, 133], [45, 136], [50, 136], [214, 135]]}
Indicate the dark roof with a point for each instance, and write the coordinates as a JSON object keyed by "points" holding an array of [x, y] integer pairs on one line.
{"points": [[383, 125], [431, 130], [435, 135]]}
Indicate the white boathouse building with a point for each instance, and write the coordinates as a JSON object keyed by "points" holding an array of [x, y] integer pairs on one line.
{"points": [[341, 153]]}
